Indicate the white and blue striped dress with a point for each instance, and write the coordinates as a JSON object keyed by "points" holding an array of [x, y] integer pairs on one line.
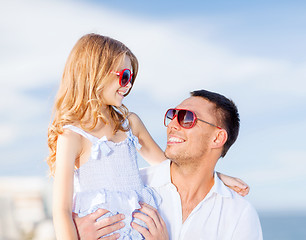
{"points": [[110, 180]]}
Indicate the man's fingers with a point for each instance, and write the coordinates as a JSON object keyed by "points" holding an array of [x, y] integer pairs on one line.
{"points": [[110, 229], [151, 212], [147, 205], [154, 214], [112, 237], [109, 221], [146, 219], [156, 226], [99, 213], [150, 217], [141, 229], [109, 225]]}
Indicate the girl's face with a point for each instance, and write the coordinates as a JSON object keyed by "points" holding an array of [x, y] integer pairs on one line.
{"points": [[113, 93]]}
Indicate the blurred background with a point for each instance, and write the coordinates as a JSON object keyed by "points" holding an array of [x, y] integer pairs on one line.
{"points": [[253, 52]]}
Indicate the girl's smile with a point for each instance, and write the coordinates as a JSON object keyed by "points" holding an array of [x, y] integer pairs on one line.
{"points": [[113, 93]]}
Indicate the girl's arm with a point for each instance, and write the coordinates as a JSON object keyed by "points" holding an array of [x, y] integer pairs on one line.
{"points": [[68, 149], [236, 184], [150, 151]]}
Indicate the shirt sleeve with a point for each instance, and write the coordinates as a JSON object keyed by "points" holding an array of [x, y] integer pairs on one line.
{"points": [[248, 226]]}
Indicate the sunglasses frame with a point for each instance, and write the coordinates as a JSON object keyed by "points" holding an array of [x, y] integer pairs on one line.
{"points": [[195, 118], [120, 75]]}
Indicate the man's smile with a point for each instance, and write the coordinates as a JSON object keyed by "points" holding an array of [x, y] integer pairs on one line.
{"points": [[174, 140]]}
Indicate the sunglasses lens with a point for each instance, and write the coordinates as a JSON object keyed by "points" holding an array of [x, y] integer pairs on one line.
{"points": [[185, 118], [169, 116], [125, 78]]}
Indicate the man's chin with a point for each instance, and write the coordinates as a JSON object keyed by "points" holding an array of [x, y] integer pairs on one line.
{"points": [[166, 153], [169, 154]]}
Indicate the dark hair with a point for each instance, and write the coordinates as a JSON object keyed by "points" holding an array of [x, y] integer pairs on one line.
{"points": [[226, 113]]}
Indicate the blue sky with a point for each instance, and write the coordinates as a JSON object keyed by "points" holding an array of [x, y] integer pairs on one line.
{"points": [[252, 52]]}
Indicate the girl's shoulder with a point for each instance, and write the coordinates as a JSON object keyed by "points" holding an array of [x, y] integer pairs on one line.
{"points": [[135, 123], [70, 140], [70, 134], [133, 118]]}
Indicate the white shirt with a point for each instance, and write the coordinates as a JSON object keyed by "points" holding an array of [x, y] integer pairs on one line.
{"points": [[221, 215]]}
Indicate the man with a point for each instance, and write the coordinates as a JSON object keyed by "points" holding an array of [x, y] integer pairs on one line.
{"points": [[196, 204]]}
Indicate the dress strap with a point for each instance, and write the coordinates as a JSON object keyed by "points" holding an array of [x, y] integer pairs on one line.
{"points": [[131, 137], [134, 140], [99, 145], [80, 131], [126, 123]]}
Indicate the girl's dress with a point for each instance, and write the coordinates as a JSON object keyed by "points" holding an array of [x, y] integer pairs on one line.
{"points": [[110, 180]]}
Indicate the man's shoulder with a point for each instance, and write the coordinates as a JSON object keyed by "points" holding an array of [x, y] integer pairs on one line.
{"points": [[157, 174], [234, 200], [247, 218], [239, 201], [240, 213], [241, 208]]}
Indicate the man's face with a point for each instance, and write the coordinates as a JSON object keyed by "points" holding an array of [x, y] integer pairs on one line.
{"points": [[185, 146]]}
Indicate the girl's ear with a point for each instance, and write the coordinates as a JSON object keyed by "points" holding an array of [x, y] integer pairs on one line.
{"points": [[220, 138]]}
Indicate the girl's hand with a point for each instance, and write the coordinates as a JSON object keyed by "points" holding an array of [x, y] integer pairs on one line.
{"points": [[236, 184], [156, 226], [90, 229]]}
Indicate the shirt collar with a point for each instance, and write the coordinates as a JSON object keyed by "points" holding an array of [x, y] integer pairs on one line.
{"points": [[219, 188], [163, 178]]}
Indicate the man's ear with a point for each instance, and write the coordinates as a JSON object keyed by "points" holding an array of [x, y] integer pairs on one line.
{"points": [[220, 138]]}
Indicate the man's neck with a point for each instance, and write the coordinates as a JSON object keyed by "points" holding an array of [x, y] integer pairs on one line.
{"points": [[193, 184]]}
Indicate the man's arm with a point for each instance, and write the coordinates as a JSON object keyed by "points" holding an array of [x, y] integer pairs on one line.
{"points": [[90, 229]]}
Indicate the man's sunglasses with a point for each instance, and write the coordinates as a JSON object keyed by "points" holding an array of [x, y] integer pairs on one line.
{"points": [[125, 76], [185, 118]]}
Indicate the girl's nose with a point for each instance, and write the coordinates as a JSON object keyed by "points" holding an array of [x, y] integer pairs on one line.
{"points": [[129, 85]]}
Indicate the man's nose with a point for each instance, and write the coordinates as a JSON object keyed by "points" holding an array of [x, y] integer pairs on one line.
{"points": [[174, 123]]}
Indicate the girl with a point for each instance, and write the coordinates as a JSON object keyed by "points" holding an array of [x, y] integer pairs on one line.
{"points": [[93, 138]]}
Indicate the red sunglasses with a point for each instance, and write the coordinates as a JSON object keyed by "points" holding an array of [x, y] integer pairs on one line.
{"points": [[125, 76], [185, 118]]}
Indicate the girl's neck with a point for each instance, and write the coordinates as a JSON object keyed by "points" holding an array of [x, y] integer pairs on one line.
{"points": [[87, 120]]}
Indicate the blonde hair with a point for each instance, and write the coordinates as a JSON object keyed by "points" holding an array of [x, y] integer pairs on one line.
{"points": [[86, 73]]}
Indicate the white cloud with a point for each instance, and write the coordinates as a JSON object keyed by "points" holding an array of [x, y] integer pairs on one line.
{"points": [[168, 56], [287, 165], [38, 35], [9, 132]]}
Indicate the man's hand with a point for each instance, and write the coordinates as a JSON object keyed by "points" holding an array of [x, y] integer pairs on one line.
{"points": [[90, 229], [156, 226]]}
